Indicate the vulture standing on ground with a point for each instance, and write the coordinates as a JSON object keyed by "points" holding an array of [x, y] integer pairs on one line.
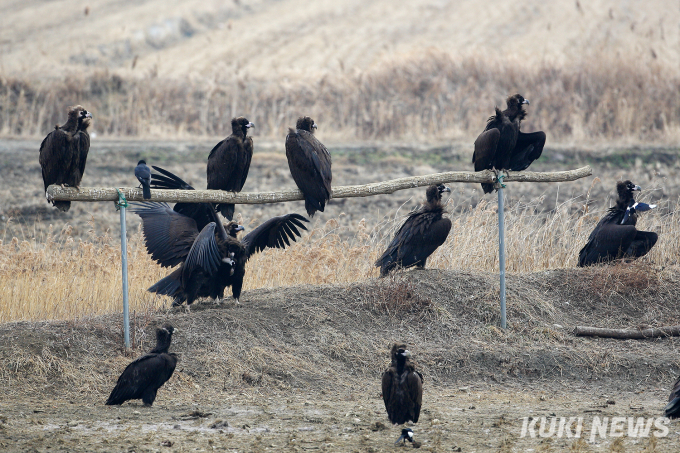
{"points": [[211, 258], [402, 389], [229, 162], [421, 234], [502, 146], [63, 153], [672, 409], [144, 376], [143, 174], [310, 165], [615, 236]]}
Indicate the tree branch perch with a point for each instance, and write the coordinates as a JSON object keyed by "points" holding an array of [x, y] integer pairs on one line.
{"points": [[364, 190]]}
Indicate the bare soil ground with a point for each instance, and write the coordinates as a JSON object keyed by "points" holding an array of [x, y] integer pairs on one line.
{"points": [[298, 369]]}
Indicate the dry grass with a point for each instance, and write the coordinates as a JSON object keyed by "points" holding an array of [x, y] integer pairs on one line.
{"points": [[56, 277], [429, 94]]}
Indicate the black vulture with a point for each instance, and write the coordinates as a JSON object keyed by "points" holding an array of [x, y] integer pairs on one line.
{"points": [[672, 409], [63, 153], [421, 234], [143, 174], [310, 165], [502, 146], [145, 375], [210, 260], [615, 236], [229, 162], [209, 263], [402, 389]]}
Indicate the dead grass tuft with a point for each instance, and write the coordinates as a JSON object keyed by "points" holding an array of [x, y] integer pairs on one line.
{"points": [[625, 278], [396, 297]]}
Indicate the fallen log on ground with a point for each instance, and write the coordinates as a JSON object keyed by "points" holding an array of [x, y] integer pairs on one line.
{"points": [[627, 334]]}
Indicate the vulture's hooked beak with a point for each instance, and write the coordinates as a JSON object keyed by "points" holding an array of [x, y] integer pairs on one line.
{"points": [[446, 189], [406, 354], [239, 228], [314, 126], [88, 115], [526, 101], [249, 125], [637, 188]]}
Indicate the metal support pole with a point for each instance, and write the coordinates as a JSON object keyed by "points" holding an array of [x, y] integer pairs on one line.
{"points": [[123, 259], [501, 250]]}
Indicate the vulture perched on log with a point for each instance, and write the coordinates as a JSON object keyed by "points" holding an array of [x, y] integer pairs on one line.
{"points": [[672, 409], [63, 153], [402, 389], [615, 236], [143, 174], [421, 234], [310, 165], [144, 376], [211, 258], [502, 146], [229, 162]]}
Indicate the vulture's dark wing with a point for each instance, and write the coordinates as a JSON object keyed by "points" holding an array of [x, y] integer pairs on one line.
{"points": [[82, 143], [485, 153], [243, 163], [145, 374], [204, 252], [171, 285], [275, 232], [55, 157], [169, 236], [527, 149], [387, 382], [310, 165], [200, 212], [414, 386], [168, 180], [417, 239], [606, 242], [485, 149], [672, 409], [222, 162]]}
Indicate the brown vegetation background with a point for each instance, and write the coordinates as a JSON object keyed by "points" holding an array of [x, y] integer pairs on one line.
{"points": [[431, 70]]}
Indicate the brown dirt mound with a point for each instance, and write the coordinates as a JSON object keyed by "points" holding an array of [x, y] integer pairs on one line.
{"points": [[317, 338]]}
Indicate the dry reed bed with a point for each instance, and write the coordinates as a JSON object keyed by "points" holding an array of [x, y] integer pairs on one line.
{"points": [[428, 94], [56, 277]]}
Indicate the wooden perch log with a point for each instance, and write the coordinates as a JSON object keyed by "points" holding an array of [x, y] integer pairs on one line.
{"points": [[627, 334], [364, 190]]}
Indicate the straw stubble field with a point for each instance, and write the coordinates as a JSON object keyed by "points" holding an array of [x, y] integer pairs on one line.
{"points": [[296, 366]]}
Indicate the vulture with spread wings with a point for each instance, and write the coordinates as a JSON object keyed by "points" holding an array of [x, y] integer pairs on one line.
{"points": [[63, 153], [211, 258], [502, 146]]}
